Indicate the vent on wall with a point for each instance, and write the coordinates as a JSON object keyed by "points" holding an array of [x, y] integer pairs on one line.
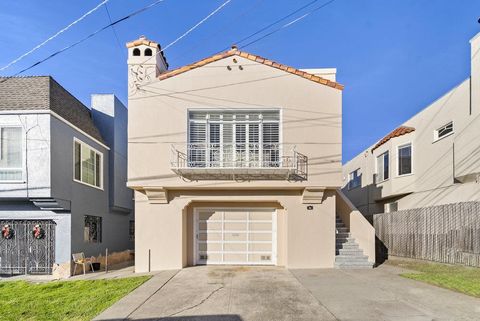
{"points": [[203, 257], [265, 257]]}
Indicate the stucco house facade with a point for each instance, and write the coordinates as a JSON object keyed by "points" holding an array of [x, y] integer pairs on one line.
{"points": [[431, 159], [62, 175], [235, 159]]}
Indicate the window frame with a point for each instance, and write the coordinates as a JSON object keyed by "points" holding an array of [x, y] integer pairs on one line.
{"points": [[376, 167], [398, 159], [99, 232], [76, 140], [350, 187], [22, 143], [436, 136], [234, 123]]}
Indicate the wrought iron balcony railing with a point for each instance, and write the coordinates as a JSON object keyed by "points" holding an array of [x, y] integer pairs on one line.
{"points": [[239, 161]]}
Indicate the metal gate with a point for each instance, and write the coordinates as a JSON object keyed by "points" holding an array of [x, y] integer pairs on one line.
{"points": [[27, 246]]}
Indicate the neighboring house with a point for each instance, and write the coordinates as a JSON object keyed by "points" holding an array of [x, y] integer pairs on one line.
{"points": [[234, 159], [62, 176], [431, 159]]}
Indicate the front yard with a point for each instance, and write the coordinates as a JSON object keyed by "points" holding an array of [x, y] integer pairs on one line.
{"points": [[62, 300], [454, 277]]}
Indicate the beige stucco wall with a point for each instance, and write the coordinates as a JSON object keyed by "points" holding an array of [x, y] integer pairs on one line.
{"points": [[311, 119], [444, 171], [305, 238]]}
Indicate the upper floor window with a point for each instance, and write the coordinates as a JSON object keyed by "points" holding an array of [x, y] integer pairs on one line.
{"points": [[354, 179], [443, 131], [383, 167], [88, 167], [11, 154], [222, 138], [405, 159]]}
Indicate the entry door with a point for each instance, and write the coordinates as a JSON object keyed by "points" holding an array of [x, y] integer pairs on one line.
{"points": [[235, 236]]}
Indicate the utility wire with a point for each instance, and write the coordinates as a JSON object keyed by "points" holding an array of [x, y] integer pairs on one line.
{"points": [[113, 28], [104, 2], [273, 23], [288, 24], [86, 38], [188, 31]]}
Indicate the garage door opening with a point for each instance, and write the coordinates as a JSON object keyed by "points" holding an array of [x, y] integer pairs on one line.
{"points": [[235, 236]]}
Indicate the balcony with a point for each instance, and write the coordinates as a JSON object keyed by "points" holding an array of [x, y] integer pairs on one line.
{"points": [[240, 162]]}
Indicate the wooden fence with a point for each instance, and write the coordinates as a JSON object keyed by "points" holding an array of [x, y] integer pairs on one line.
{"points": [[445, 233]]}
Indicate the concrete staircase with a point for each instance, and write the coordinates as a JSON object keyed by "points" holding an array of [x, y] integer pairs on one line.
{"points": [[348, 255]]}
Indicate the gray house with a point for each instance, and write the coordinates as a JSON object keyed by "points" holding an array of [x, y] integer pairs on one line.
{"points": [[63, 171]]}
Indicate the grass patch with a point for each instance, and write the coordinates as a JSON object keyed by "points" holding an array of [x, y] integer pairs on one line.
{"points": [[62, 300], [454, 277]]}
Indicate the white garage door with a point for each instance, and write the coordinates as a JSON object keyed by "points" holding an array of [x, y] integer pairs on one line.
{"points": [[235, 236]]}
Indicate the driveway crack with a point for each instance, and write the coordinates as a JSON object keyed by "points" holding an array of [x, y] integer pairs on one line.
{"points": [[199, 303]]}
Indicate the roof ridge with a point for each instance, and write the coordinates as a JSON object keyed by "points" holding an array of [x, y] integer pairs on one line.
{"points": [[252, 57]]}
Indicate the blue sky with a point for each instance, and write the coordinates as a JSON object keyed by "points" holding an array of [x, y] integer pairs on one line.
{"points": [[394, 57]]}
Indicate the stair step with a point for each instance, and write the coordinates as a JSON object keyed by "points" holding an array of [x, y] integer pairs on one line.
{"points": [[367, 265], [343, 239], [342, 229], [343, 234], [350, 252], [347, 246], [351, 259]]}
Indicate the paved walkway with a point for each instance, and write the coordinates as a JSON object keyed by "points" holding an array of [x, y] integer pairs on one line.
{"points": [[271, 293], [381, 294]]}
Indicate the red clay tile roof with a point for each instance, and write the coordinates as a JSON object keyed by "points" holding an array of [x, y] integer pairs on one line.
{"points": [[400, 131], [142, 41], [235, 52]]}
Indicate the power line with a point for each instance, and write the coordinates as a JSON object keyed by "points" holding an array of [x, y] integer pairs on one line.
{"points": [[113, 28], [104, 2], [86, 38], [274, 23], [289, 23], [189, 30]]}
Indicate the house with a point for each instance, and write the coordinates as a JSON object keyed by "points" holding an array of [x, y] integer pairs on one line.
{"points": [[236, 159], [62, 177], [431, 159]]}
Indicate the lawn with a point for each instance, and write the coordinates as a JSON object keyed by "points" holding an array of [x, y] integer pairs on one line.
{"points": [[62, 300], [454, 277]]}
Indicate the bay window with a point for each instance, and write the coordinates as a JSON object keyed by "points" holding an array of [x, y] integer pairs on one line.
{"points": [[88, 164], [11, 154]]}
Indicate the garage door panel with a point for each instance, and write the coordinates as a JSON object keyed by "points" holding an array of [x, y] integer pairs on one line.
{"points": [[210, 215], [260, 226], [235, 257], [260, 237], [236, 216], [260, 247], [235, 226], [237, 247], [212, 226], [235, 236], [204, 247], [210, 236]]}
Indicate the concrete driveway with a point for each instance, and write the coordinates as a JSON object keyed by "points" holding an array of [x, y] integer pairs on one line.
{"points": [[271, 293]]}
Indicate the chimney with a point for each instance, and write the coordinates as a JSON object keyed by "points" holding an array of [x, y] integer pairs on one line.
{"points": [[145, 61], [475, 74]]}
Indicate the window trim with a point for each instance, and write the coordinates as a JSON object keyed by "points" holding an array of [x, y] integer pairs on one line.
{"points": [[22, 168], [435, 132], [98, 234], [76, 140], [376, 167], [398, 159], [350, 180]]}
